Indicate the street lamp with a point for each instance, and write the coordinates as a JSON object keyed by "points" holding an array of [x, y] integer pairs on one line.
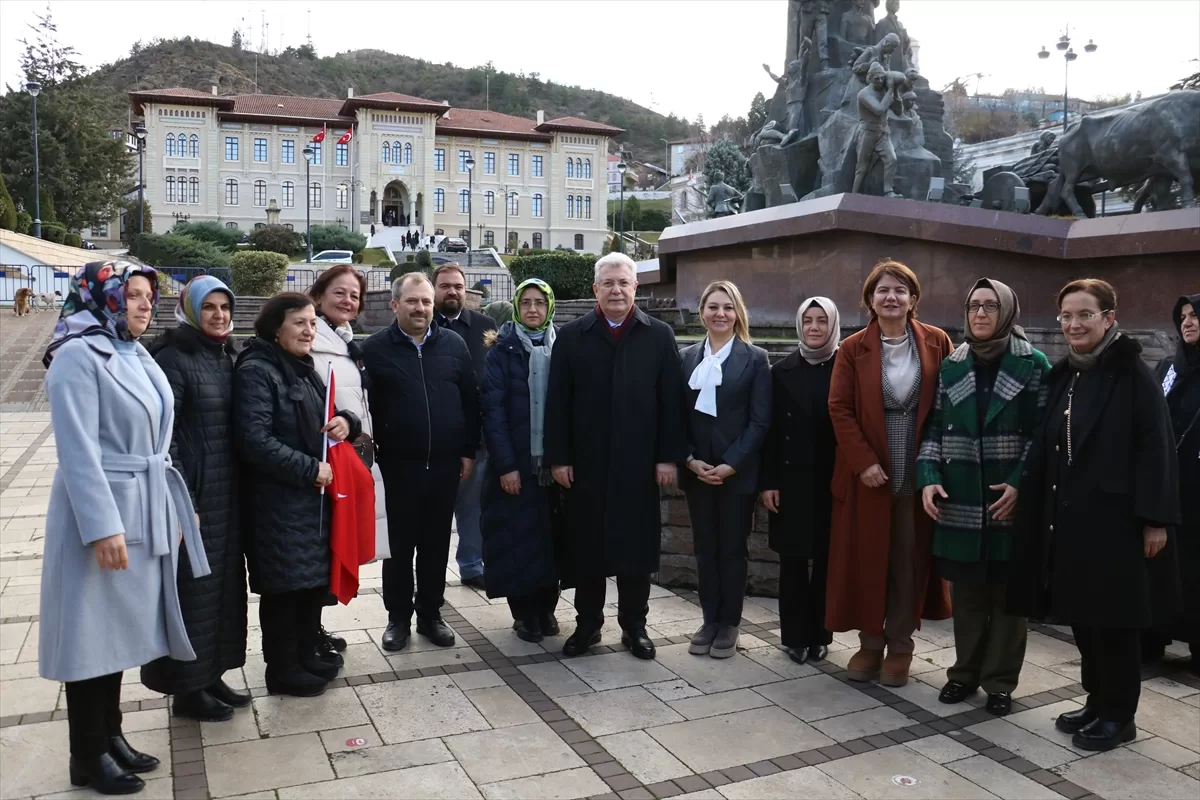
{"points": [[1064, 45], [508, 198], [470, 164], [34, 88], [140, 132], [621, 169], [666, 158], [308, 157]]}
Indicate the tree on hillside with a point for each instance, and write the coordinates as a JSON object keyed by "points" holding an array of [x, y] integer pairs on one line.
{"points": [[1190, 82], [81, 167], [757, 116], [727, 157], [8, 211], [236, 41]]}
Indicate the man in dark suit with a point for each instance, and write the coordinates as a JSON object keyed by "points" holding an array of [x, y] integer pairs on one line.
{"points": [[614, 434], [450, 294]]}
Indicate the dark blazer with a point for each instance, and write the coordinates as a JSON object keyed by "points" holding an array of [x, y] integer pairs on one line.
{"points": [[736, 434], [471, 326]]}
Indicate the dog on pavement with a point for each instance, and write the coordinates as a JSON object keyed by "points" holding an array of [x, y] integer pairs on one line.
{"points": [[22, 301], [49, 301]]}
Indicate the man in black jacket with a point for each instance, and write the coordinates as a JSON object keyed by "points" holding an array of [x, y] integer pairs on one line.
{"points": [[449, 294], [425, 406]]}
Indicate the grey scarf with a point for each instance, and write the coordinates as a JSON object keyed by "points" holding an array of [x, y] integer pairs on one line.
{"points": [[539, 375], [1085, 361]]}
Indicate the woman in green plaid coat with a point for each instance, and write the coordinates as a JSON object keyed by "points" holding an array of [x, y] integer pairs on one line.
{"points": [[990, 398]]}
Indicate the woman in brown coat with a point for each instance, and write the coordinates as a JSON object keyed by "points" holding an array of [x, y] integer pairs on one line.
{"points": [[880, 554]]}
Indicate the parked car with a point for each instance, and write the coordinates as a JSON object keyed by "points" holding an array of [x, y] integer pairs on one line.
{"points": [[88, 245], [452, 244], [334, 257]]}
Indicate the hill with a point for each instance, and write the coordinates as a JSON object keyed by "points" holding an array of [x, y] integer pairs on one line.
{"points": [[196, 64]]}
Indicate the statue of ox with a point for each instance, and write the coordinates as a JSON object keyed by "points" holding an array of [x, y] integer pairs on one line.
{"points": [[1152, 141]]}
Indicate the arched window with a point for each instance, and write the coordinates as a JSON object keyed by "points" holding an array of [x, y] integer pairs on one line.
{"points": [[464, 201], [513, 238], [579, 167], [579, 241], [489, 202], [386, 155], [171, 187], [260, 193], [170, 144], [489, 238], [579, 206], [570, 206], [343, 196], [587, 168], [537, 205], [439, 201], [231, 225], [570, 168], [231, 192], [537, 241], [289, 194], [314, 195], [195, 143], [194, 190], [407, 152], [587, 206]]}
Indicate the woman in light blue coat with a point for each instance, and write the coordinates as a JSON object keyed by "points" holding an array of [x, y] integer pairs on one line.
{"points": [[118, 512]]}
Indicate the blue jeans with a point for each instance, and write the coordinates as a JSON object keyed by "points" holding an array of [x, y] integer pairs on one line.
{"points": [[466, 520]]}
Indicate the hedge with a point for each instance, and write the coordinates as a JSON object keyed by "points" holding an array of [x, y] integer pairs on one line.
{"points": [[24, 222], [336, 237], [225, 238], [53, 233], [173, 250], [73, 240], [258, 273], [277, 239], [569, 274]]}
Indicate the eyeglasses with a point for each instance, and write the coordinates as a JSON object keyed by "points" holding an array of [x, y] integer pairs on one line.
{"points": [[534, 304], [989, 307], [1082, 316]]}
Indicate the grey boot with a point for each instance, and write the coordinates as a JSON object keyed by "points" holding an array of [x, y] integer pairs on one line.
{"points": [[702, 639], [725, 645]]}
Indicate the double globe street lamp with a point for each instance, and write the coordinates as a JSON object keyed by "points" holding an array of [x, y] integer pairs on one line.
{"points": [[308, 157], [469, 163], [1069, 55], [34, 88]]}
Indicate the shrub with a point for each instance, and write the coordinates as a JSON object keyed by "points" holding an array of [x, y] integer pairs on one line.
{"points": [[53, 233], [173, 250], [24, 222], [130, 207], [424, 260], [357, 258], [277, 239], [336, 237], [410, 258], [398, 270], [570, 274], [8, 209], [73, 240], [654, 219], [224, 238], [258, 273]]}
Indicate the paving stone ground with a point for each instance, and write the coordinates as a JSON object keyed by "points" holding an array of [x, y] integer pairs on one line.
{"points": [[495, 717]]}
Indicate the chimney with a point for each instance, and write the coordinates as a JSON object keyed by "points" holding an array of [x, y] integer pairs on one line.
{"points": [[214, 90], [541, 117], [350, 93]]}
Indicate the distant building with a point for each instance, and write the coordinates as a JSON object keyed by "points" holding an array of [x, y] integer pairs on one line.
{"points": [[614, 174], [688, 201], [683, 149]]}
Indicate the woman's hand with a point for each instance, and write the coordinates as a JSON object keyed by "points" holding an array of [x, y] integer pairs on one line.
{"points": [[873, 476], [337, 428], [770, 499], [1007, 504], [111, 553], [324, 475], [718, 474], [699, 467], [511, 482], [665, 474], [927, 499], [1154, 539], [564, 476]]}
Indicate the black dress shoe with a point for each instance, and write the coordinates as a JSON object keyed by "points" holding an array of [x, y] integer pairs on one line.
{"points": [[549, 624], [955, 692], [476, 582], [395, 637], [818, 652], [639, 644], [132, 760], [580, 641], [528, 630], [1072, 721], [999, 703], [436, 631], [330, 642], [311, 662], [331, 657], [200, 706], [797, 654], [228, 695], [104, 775], [1104, 735], [295, 681]]}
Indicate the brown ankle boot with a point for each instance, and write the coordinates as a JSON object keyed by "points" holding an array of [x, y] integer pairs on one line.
{"points": [[864, 665], [895, 669]]}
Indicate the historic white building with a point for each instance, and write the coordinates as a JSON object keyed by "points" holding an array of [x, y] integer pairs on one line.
{"points": [[402, 162]]}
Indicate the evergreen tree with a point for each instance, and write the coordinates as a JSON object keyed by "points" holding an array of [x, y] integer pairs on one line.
{"points": [[727, 157], [8, 211], [757, 116]]}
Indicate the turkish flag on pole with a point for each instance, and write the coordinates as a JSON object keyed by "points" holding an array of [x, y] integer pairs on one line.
{"points": [[352, 532], [346, 137], [320, 137]]}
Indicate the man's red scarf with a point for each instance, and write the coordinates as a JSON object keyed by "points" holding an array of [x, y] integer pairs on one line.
{"points": [[618, 330]]}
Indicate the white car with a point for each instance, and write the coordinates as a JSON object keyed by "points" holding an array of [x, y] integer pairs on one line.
{"points": [[333, 257]]}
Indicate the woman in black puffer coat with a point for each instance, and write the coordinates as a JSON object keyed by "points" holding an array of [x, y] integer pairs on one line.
{"points": [[278, 415], [197, 358]]}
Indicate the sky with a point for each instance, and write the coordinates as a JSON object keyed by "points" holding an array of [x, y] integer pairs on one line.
{"points": [[685, 57]]}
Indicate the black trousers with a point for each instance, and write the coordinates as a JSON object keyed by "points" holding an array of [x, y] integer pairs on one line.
{"points": [[1111, 662], [721, 522], [540, 603], [93, 714], [802, 601], [420, 505], [291, 626], [633, 597]]}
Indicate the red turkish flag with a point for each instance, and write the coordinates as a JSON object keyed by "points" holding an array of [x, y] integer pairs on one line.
{"points": [[320, 137], [352, 529], [346, 137]]}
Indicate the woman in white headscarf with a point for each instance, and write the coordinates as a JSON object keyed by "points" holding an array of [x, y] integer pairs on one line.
{"points": [[797, 467], [728, 398]]}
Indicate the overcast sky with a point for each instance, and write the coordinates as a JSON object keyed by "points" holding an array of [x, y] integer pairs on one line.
{"points": [[681, 56]]}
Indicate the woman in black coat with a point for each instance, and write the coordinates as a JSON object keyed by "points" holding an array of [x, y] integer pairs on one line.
{"points": [[279, 417], [520, 499], [1099, 491], [797, 469], [198, 362]]}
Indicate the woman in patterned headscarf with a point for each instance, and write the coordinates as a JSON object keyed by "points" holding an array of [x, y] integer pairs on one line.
{"points": [[117, 504]]}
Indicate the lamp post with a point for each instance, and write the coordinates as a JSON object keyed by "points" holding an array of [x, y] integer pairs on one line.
{"points": [[481, 227], [470, 164], [621, 169], [1069, 55], [140, 132], [34, 88], [666, 158], [308, 157]]}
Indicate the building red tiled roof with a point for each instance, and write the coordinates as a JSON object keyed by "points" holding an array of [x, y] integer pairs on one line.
{"points": [[475, 123], [391, 100], [580, 125], [179, 96], [287, 106]]}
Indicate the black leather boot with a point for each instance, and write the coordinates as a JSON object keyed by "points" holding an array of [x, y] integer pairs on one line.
{"points": [[130, 759], [1073, 721], [549, 624], [1104, 734], [202, 706], [797, 654], [436, 631], [528, 630], [295, 681], [578, 642], [955, 692], [396, 636], [818, 652], [228, 695], [314, 663], [330, 642], [104, 775], [639, 644]]}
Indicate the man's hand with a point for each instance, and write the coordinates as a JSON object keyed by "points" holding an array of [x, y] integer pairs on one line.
{"points": [[324, 475], [338, 429], [1007, 504], [873, 476], [511, 482], [664, 474], [1155, 539], [564, 476], [111, 553], [928, 499], [770, 499], [468, 466]]}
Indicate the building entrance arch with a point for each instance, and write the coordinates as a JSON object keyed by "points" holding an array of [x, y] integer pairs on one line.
{"points": [[397, 205]]}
